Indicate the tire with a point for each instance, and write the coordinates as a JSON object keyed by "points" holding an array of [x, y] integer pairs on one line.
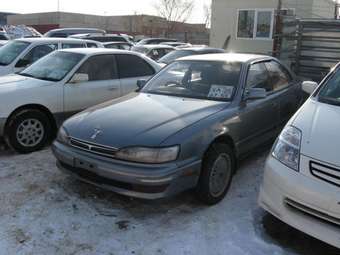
{"points": [[28, 130], [216, 175]]}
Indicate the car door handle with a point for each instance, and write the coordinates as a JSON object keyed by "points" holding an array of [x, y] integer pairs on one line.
{"points": [[112, 88]]}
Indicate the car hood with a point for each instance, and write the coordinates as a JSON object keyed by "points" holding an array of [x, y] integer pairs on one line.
{"points": [[320, 125], [139, 119], [13, 82]]}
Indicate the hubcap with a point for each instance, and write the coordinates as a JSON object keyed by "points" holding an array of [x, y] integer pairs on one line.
{"points": [[30, 132], [220, 175]]}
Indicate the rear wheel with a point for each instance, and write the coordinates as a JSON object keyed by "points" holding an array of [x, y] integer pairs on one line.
{"points": [[216, 174], [28, 131]]}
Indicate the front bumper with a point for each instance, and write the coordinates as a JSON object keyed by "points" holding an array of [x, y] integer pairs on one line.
{"points": [[145, 181], [293, 198]]}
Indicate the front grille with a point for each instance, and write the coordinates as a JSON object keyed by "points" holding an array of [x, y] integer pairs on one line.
{"points": [[94, 148], [95, 178], [325, 173], [311, 212]]}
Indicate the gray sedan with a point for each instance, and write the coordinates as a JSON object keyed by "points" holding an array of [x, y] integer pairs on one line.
{"points": [[186, 128]]}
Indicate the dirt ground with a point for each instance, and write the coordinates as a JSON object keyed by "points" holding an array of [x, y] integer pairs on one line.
{"points": [[43, 211]]}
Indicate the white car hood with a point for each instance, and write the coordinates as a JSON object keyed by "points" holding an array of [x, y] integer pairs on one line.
{"points": [[4, 70], [320, 126], [14, 82]]}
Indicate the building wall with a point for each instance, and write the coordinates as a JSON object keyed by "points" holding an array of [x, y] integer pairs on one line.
{"points": [[146, 25], [225, 19]]}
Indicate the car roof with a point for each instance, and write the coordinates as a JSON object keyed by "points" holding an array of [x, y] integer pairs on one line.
{"points": [[227, 57], [96, 51], [155, 46], [75, 29], [116, 42], [50, 39], [202, 49]]}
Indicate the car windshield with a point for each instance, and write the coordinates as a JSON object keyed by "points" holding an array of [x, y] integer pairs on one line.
{"points": [[207, 80], [172, 56], [330, 92], [10, 51], [53, 67]]}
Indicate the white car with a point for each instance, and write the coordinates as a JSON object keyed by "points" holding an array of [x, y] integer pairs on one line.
{"points": [[301, 183], [16, 55], [34, 102]]}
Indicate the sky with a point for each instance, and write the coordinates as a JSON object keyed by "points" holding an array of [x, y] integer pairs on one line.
{"points": [[100, 7]]}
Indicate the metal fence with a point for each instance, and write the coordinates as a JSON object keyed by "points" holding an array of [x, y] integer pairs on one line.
{"points": [[310, 47]]}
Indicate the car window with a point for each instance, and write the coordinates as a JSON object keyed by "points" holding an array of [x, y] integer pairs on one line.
{"points": [[155, 54], [72, 45], [125, 47], [172, 56], [258, 77], [206, 80], [100, 68], [133, 66], [278, 75], [91, 45], [40, 51], [60, 35], [11, 50], [3, 37]]}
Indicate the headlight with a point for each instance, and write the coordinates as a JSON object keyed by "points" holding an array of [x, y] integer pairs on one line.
{"points": [[148, 155], [287, 147], [62, 136]]}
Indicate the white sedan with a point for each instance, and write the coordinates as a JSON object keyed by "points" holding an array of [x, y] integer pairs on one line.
{"points": [[301, 183], [18, 54], [34, 102]]}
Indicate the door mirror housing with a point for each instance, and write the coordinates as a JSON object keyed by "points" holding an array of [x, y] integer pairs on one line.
{"points": [[309, 86], [141, 84], [79, 77], [23, 63], [255, 93]]}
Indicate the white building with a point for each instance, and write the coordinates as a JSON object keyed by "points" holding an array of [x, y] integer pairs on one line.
{"points": [[249, 25]]}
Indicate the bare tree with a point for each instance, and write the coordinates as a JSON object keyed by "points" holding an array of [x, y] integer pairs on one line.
{"points": [[207, 15], [174, 11]]}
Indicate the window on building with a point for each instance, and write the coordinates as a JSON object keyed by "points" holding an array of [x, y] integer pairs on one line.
{"points": [[255, 24]]}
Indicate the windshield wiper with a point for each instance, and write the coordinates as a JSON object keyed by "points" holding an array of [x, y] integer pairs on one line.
{"points": [[329, 100], [46, 79], [3, 64], [27, 75]]}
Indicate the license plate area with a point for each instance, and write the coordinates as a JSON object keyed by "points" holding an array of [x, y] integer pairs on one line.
{"points": [[83, 164]]}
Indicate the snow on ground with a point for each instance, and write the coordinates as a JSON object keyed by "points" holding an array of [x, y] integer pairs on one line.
{"points": [[43, 211]]}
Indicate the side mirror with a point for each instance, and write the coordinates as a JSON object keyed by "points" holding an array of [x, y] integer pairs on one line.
{"points": [[23, 63], [79, 77], [309, 86], [255, 93], [141, 84]]}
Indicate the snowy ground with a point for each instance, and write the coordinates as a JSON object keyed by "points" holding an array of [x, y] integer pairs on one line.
{"points": [[42, 211]]}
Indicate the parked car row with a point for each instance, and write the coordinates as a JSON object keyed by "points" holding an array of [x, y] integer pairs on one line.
{"points": [[20, 53], [145, 131]]}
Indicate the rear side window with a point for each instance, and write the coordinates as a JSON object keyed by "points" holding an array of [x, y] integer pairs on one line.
{"points": [[72, 45], [91, 45], [258, 77], [133, 66], [278, 75], [60, 35], [40, 51], [99, 68]]}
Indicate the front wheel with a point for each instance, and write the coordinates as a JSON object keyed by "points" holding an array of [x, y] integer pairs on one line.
{"points": [[28, 131], [216, 175]]}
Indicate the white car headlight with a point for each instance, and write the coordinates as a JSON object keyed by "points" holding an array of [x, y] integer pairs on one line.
{"points": [[62, 136], [148, 155], [287, 147]]}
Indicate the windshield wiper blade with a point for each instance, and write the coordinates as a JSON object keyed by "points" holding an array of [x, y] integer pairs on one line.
{"points": [[329, 100], [26, 75]]}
